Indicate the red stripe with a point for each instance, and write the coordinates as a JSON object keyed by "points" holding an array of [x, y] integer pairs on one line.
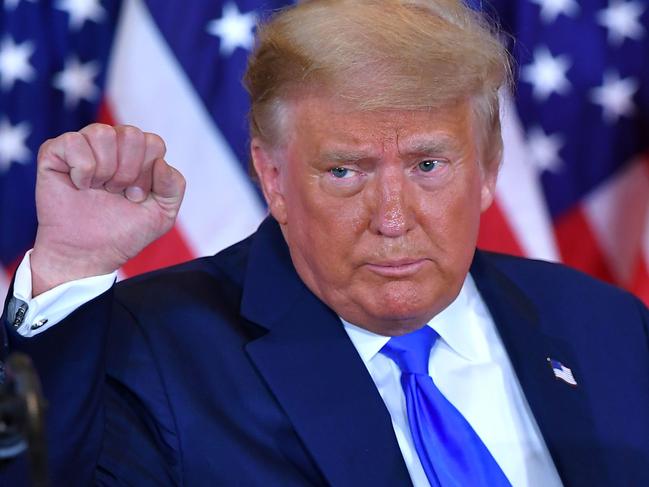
{"points": [[10, 270], [105, 114], [640, 283], [579, 247], [170, 249], [496, 234]]}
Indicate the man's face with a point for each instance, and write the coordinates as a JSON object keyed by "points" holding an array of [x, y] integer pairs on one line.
{"points": [[380, 209]]}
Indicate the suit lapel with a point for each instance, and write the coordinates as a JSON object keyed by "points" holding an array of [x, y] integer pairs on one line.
{"points": [[315, 373], [560, 410]]}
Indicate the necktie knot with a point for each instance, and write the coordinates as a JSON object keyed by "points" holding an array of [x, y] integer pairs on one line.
{"points": [[411, 352]]}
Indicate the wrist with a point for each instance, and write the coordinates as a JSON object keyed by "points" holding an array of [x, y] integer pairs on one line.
{"points": [[52, 267]]}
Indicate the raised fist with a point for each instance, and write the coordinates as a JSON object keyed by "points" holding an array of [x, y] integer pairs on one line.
{"points": [[102, 195]]}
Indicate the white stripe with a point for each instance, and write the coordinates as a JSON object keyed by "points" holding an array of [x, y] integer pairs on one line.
{"points": [[618, 213], [147, 87], [644, 250], [565, 376], [519, 191]]}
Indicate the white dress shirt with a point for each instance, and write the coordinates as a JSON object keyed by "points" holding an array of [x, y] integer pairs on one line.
{"points": [[47, 309], [468, 364]]}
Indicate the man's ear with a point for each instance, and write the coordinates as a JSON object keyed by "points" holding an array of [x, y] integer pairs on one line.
{"points": [[268, 169], [489, 178]]}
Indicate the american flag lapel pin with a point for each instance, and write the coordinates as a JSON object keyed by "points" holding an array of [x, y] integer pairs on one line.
{"points": [[562, 372]]}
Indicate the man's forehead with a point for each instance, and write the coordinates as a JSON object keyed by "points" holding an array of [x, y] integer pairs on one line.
{"points": [[342, 129], [437, 142], [313, 106]]}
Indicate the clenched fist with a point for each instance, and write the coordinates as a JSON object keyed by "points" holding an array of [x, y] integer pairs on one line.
{"points": [[102, 195]]}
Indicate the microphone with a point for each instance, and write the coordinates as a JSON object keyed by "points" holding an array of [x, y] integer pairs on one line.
{"points": [[22, 422]]}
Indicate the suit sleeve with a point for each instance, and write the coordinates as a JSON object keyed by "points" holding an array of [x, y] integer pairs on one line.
{"points": [[70, 361], [108, 422], [140, 444]]}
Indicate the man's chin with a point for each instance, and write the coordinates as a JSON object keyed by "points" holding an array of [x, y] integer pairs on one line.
{"points": [[401, 307], [396, 320]]}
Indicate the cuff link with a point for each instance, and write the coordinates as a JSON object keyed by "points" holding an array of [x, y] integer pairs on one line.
{"points": [[38, 324]]}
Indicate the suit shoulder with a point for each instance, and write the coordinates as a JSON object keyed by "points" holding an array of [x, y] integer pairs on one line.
{"points": [[544, 280], [568, 303], [218, 275]]}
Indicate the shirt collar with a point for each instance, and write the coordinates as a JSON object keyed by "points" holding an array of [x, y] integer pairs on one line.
{"points": [[462, 325]]}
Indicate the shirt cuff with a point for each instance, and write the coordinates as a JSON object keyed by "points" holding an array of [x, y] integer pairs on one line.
{"points": [[31, 316]]}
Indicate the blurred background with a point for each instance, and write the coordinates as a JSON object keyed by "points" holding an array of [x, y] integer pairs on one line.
{"points": [[574, 185]]}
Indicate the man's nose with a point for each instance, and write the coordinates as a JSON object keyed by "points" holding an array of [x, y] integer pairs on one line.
{"points": [[392, 213]]}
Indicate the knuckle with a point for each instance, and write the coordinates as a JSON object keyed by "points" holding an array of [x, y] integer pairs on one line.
{"points": [[85, 165], [99, 131], [74, 146], [45, 147], [156, 143], [130, 133], [70, 139]]}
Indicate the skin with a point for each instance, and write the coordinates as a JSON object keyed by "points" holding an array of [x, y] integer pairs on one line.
{"points": [[102, 195], [380, 209]]}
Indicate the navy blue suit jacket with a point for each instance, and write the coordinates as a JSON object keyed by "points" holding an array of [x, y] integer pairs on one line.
{"points": [[229, 371]]}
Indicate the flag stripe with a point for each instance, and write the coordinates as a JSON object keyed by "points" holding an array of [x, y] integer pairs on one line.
{"points": [[219, 94], [496, 233], [220, 206], [617, 213], [168, 250], [519, 192], [579, 247]]}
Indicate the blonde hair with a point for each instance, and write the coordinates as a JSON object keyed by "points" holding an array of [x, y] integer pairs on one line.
{"points": [[378, 54]]}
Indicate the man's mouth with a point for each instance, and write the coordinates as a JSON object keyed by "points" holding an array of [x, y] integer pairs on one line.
{"points": [[396, 267]]}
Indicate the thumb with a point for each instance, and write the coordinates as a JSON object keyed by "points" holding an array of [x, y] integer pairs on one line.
{"points": [[168, 185]]}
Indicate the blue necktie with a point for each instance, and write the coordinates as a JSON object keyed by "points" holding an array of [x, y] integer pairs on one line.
{"points": [[450, 451]]}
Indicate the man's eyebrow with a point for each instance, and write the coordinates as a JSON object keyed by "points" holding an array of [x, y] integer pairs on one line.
{"points": [[344, 155], [431, 145]]}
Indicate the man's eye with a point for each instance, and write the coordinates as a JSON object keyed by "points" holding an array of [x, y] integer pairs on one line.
{"points": [[340, 172], [428, 165]]}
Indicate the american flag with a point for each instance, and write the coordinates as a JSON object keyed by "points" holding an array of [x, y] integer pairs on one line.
{"points": [[562, 372], [574, 185]]}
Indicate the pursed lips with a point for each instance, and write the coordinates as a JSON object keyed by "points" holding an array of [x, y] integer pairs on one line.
{"points": [[396, 267]]}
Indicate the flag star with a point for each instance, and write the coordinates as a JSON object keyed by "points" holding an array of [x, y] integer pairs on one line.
{"points": [[233, 28], [12, 4], [14, 62], [547, 74], [622, 20], [551, 9], [544, 149], [615, 96], [13, 146], [81, 11], [76, 81]]}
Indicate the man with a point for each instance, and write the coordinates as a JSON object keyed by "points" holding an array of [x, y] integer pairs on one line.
{"points": [[376, 141]]}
